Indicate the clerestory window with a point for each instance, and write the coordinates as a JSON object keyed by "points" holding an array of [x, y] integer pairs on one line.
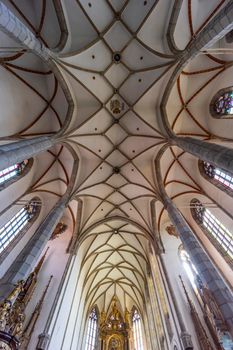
{"points": [[218, 234], [189, 267], [221, 105], [137, 331], [91, 340], [12, 229], [14, 172], [217, 177]]}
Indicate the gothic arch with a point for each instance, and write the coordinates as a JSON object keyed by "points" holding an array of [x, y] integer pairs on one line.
{"points": [[207, 170], [92, 328], [34, 214], [25, 170], [217, 235]]}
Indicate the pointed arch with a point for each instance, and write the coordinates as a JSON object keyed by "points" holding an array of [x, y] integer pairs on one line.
{"points": [[137, 330], [14, 173], [218, 234], [12, 231], [218, 177], [92, 329]]}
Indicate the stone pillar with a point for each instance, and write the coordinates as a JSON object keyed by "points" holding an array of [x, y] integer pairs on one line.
{"points": [[16, 152], [217, 28], [28, 257], [219, 156], [205, 267], [18, 31]]}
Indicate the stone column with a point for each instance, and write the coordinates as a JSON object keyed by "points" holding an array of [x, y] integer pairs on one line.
{"points": [[18, 31], [219, 156], [217, 28], [28, 257], [205, 267], [16, 152]]}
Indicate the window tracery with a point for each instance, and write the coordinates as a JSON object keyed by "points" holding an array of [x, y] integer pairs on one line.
{"points": [[14, 172], [222, 104], [219, 235], [217, 176], [12, 229], [137, 331], [92, 330]]}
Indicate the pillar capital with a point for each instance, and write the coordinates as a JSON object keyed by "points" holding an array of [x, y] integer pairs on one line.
{"points": [[186, 341], [43, 341]]}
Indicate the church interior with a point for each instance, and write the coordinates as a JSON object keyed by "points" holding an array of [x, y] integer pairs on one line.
{"points": [[116, 174]]}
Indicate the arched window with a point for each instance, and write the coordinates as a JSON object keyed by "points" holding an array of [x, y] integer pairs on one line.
{"points": [[18, 223], [217, 177], [218, 234], [92, 331], [190, 269], [11, 174], [221, 105], [137, 331]]}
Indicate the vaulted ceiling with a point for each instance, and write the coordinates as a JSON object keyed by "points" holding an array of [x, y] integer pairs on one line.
{"points": [[116, 61]]}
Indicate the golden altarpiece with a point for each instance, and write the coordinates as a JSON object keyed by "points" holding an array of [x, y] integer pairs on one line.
{"points": [[115, 330]]}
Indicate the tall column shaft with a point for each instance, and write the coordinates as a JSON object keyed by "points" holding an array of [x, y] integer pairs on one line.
{"points": [[16, 152], [28, 257], [220, 156], [205, 267], [217, 28], [18, 31]]}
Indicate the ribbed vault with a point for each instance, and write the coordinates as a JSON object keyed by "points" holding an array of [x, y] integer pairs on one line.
{"points": [[103, 94], [114, 262]]}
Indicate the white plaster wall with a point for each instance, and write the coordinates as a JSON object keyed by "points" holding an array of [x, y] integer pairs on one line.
{"points": [[54, 264], [68, 303], [174, 269]]}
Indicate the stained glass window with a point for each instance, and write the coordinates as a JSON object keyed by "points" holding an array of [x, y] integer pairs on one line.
{"points": [[92, 331], [209, 169], [137, 331], [221, 235], [13, 171], [224, 103], [14, 226], [218, 175]]}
